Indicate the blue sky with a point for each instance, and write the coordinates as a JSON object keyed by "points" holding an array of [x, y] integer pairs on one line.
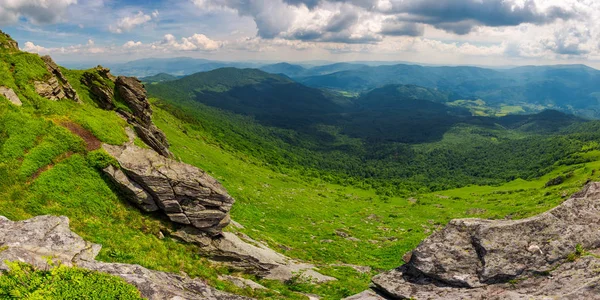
{"points": [[482, 32]]}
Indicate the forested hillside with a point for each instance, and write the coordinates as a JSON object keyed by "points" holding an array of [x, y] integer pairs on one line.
{"points": [[397, 139]]}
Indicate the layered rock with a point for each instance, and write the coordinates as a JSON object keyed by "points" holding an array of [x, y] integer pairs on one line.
{"points": [[101, 85], [241, 252], [186, 194], [534, 258], [33, 241], [57, 87], [10, 95], [133, 94]]}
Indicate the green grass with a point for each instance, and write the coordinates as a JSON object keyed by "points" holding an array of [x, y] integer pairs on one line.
{"points": [[510, 109], [301, 215]]}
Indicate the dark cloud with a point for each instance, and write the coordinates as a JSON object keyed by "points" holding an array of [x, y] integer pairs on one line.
{"points": [[341, 21], [460, 16], [399, 28]]}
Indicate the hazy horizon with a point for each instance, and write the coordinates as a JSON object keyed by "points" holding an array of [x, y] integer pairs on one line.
{"points": [[440, 32]]}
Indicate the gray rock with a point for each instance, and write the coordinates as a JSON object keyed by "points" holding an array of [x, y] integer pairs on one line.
{"points": [[9, 94], [133, 93], [61, 88], [240, 251], [242, 283], [101, 86], [185, 193], [483, 259], [32, 241]]}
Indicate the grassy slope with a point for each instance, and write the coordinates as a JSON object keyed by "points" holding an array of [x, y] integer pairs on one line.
{"points": [[301, 217], [45, 169]]}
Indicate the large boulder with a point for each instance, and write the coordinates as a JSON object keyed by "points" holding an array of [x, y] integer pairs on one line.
{"points": [[33, 241], [186, 194], [533, 258]]}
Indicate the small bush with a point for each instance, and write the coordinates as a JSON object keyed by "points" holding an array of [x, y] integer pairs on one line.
{"points": [[62, 282], [100, 159]]}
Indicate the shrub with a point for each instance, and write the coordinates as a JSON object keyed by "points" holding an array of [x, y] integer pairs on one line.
{"points": [[100, 159], [62, 282]]}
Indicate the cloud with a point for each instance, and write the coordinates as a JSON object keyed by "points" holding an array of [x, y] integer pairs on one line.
{"points": [[132, 45], [130, 22], [394, 27], [35, 11], [461, 16], [88, 48], [197, 42]]}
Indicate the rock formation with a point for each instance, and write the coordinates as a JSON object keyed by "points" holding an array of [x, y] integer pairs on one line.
{"points": [[101, 86], [7, 42], [133, 93], [186, 194], [130, 92], [9, 94], [57, 87], [32, 241], [241, 252], [549, 256]]}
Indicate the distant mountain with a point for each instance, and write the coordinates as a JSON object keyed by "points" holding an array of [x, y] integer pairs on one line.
{"points": [[391, 95], [161, 77], [393, 113], [571, 88], [284, 68], [175, 66], [270, 98]]}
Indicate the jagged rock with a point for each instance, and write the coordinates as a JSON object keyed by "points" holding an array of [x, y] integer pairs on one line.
{"points": [[135, 192], [246, 254], [101, 85], [476, 259], [7, 42], [61, 88], [32, 241], [133, 93], [9, 94], [185, 193]]}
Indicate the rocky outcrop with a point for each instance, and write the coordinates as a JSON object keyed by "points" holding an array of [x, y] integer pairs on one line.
{"points": [[57, 87], [133, 94], [10, 95], [186, 194], [7, 42], [241, 252], [101, 85], [33, 241], [542, 257]]}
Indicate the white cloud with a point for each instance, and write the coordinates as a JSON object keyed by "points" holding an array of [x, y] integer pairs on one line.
{"points": [[35, 11], [197, 42], [130, 22], [132, 45], [88, 48]]}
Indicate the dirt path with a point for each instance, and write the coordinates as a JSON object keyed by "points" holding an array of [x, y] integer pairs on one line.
{"points": [[91, 141]]}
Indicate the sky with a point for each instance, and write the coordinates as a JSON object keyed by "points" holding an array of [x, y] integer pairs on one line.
{"points": [[452, 32]]}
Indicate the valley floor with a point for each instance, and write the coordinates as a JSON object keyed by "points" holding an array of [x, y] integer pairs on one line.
{"points": [[332, 225]]}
